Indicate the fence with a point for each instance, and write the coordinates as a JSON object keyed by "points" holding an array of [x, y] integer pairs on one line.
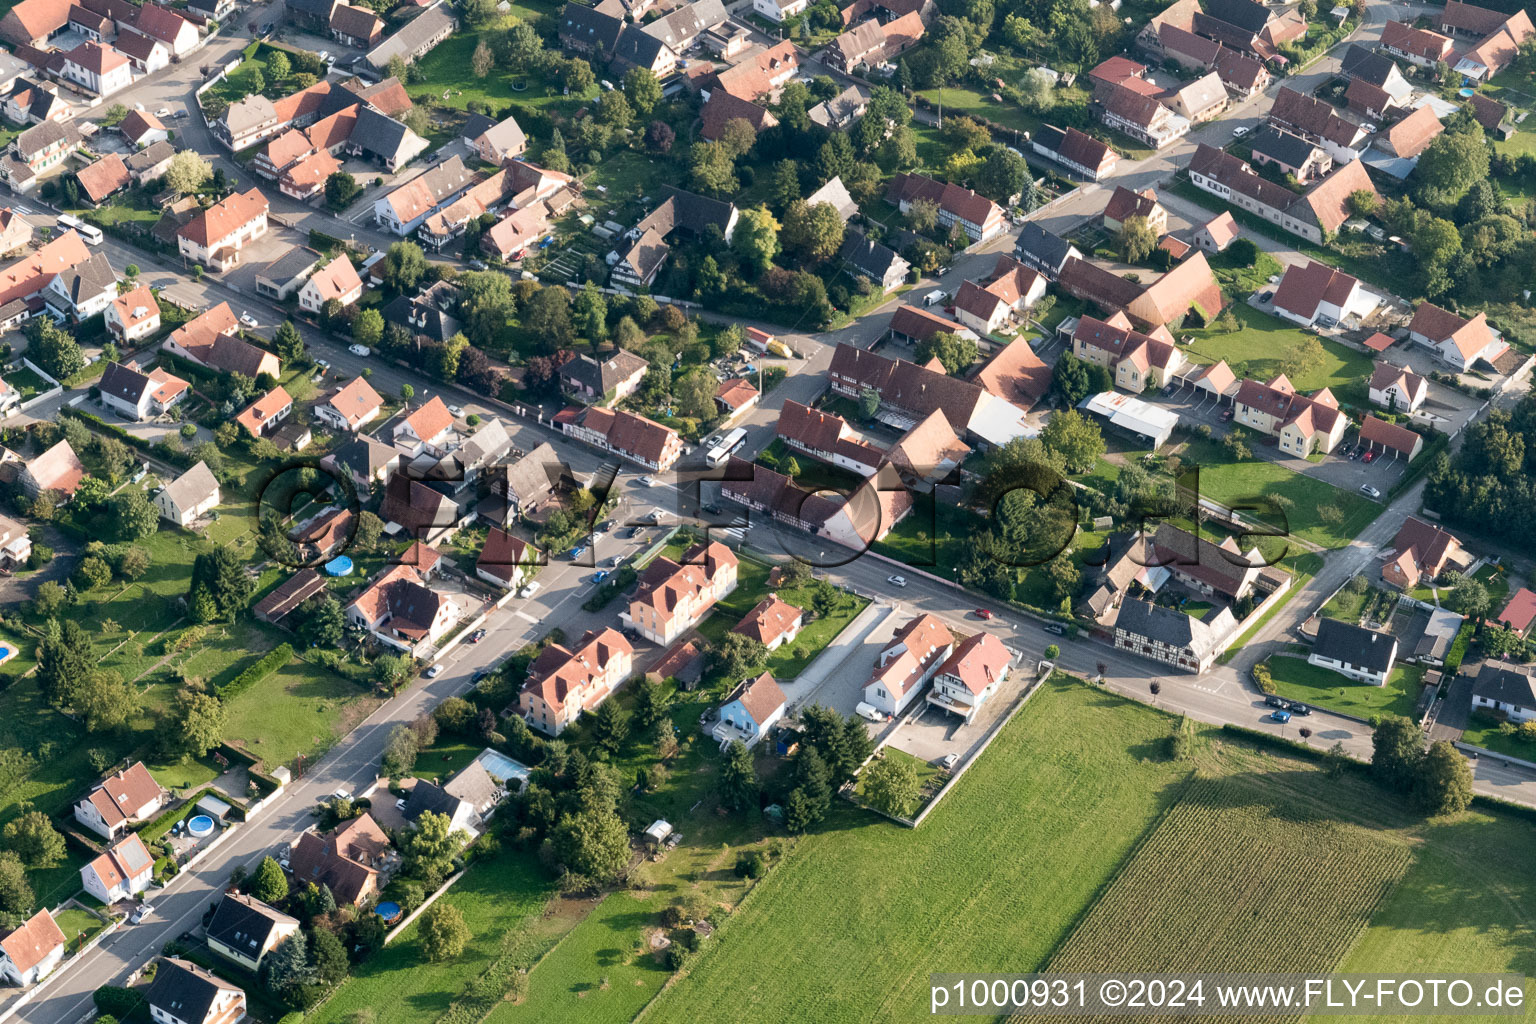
{"points": [[32, 993], [37, 399], [390, 935]]}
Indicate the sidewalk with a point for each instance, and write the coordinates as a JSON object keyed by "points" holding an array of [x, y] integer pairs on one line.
{"points": [[805, 686]]}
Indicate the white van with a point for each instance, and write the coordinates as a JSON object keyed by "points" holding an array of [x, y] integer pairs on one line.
{"points": [[870, 712], [933, 298]]}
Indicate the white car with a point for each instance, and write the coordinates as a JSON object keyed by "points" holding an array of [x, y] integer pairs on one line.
{"points": [[896, 581], [950, 760], [1369, 491], [360, 350], [342, 794], [400, 804], [530, 589], [1239, 131], [458, 411], [870, 712], [646, 481], [163, 112], [324, 364], [248, 320]]}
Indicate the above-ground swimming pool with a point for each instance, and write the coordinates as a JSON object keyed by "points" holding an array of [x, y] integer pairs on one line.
{"points": [[388, 910], [199, 825], [1466, 92], [7, 652]]}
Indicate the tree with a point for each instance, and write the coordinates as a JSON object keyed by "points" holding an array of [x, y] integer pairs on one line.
{"points": [[694, 393], [784, 186], [616, 113], [738, 777], [486, 303], [593, 842], [643, 90], [370, 528], [1037, 90], [954, 351], [1306, 355], [16, 895], [481, 61], [368, 327], [400, 750], [92, 572], [328, 954], [712, 169], [194, 724], [659, 137], [404, 265], [103, 700], [1137, 239], [133, 517], [1002, 175], [1448, 167], [610, 726], [589, 313], [287, 967], [55, 350], [220, 585], [35, 840], [923, 215], [340, 190], [1075, 437], [188, 172], [278, 65], [1397, 748], [429, 848], [735, 656], [63, 656], [890, 785], [1064, 575], [548, 317], [288, 341], [443, 932], [1363, 203], [756, 239], [1471, 598], [269, 884], [1445, 779], [815, 232], [869, 403]]}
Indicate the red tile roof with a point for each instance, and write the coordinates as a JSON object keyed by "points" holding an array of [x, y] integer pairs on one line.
{"points": [[1389, 435], [770, 620], [356, 402], [1520, 612], [32, 942], [1413, 134], [978, 661], [223, 219]]}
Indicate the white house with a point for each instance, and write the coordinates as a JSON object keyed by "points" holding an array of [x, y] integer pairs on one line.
{"points": [[425, 431], [183, 993], [1317, 292], [216, 235], [752, 709], [350, 407], [1399, 388], [506, 561], [971, 675], [336, 280], [134, 314], [190, 496], [121, 800], [780, 11], [1455, 339], [82, 291], [244, 930], [906, 664], [97, 68], [31, 952], [121, 873], [1361, 654], [401, 611], [139, 396], [1502, 689]]}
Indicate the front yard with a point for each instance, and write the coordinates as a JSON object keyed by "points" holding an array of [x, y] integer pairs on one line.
{"points": [[1295, 679]]}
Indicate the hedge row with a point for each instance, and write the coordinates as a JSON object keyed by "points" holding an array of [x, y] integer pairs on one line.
{"points": [[270, 663], [164, 454]]}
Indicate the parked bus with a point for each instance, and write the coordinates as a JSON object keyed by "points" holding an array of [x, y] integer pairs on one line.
{"points": [[728, 444], [90, 232]]}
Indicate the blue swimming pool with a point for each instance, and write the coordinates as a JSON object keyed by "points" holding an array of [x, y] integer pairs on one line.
{"points": [[199, 825], [388, 910]]}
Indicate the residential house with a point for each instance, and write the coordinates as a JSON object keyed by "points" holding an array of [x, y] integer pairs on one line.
{"points": [[1221, 570], [870, 43], [1397, 388], [211, 10], [1363, 655], [1304, 425], [102, 179], [780, 11], [429, 429], [120, 801], [1413, 134], [1141, 116], [1079, 153], [323, 535], [834, 193], [58, 469], [517, 232], [1046, 252], [906, 663], [15, 231], [633, 437], [1416, 45], [140, 396], [216, 235], [15, 544], [27, 102], [177, 33], [863, 257], [683, 25], [32, 950], [991, 304], [1376, 69], [1292, 154], [506, 561], [563, 681], [36, 151], [501, 142], [420, 511], [1244, 76], [908, 393], [1492, 115], [1169, 635], [82, 291], [773, 622], [311, 15], [1125, 204], [679, 210], [421, 318], [979, 217], [1498, 688], [735, 396], [1190, 287], [133, 315], [1200, 100], [827, 438], [417, 37], [402, 612], [1320, 211], [189, 497], [350, 407], [97, 68], [1250, 26], [1217, 233], [244, 930], [365, 460], [841, 111], [184, 993], [121, 873], [602, 383], [465, 800], [337, 281], [750, 711], [1317, 292], [1499, 35], [146, 53], [403, 209], [286, 275], [210, 340], [1519, 613], [262, 416], [594, 29], [1455, 339], [970, 675], [1379, 435], [151, 162], [356, 26], [1135, 361], [1421, 552], [673, 597], [1016, 374], [522, 486]]}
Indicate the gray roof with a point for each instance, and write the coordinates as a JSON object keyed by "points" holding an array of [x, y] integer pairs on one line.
{"points": [[39, 137], [125, 383], [428, 796], [149, 156], [1167, 625], [92, 277], [297, 261], [589, 26], [1044, 248], [243, 923], [687, 210], [684, 24], [474, 786], [867, 255], [535, 474], [184, 990], [476, 125], [605, 376], [1245, 14], [364, 456], [1354, 645], [1374, 67], [382, 136], [192, 487], [413, 34], [1289, 149], [1497, 683], [639, 47], [420, 317], [316, 8]]}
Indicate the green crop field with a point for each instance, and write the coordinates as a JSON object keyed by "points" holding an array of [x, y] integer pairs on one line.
{"points": [[1199, 894], [850, 925]]}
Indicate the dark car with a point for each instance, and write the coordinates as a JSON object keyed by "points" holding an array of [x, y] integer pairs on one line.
{"points": [[1296, 707], [1276, 702], [714, 510], [1226, 414], [1266, 296], [481, 674]]}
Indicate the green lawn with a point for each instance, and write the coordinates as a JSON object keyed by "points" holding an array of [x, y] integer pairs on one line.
{"points": [[1043, 819], [1497, 581], [1261, 348], [814, 475], [444, 69], [299, 709], [56, 884], [1245, 483], [26, 383], [1485, 732], [77, 925], [1295, 679], [929, 776]]}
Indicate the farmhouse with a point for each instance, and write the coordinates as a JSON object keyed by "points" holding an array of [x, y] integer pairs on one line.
{"points": [[506, 561], [909, 393], [978, 217], [867, 258], [1292, 154], [1190, 287], [1141, 116], [58, 469], [827, 438], [1170, 636], [632, 437], [1322, 209], [1417, 45], [563, 682], [1082, 154], [602, 383]]}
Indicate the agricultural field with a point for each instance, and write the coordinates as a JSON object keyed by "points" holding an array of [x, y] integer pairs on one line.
{"points": [[1184, 901]]}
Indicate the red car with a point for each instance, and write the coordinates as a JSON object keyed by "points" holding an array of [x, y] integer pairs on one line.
{"points": [[982, 613], [1367, 457]]}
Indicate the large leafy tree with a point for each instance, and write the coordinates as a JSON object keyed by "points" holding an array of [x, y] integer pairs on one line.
{"points": [[756, 239], [813, 231], [220, 585], [405, 265], [1445, 779], [35, 840], [890, 784], [1397, 748], [444, 935], [54, 349]]}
